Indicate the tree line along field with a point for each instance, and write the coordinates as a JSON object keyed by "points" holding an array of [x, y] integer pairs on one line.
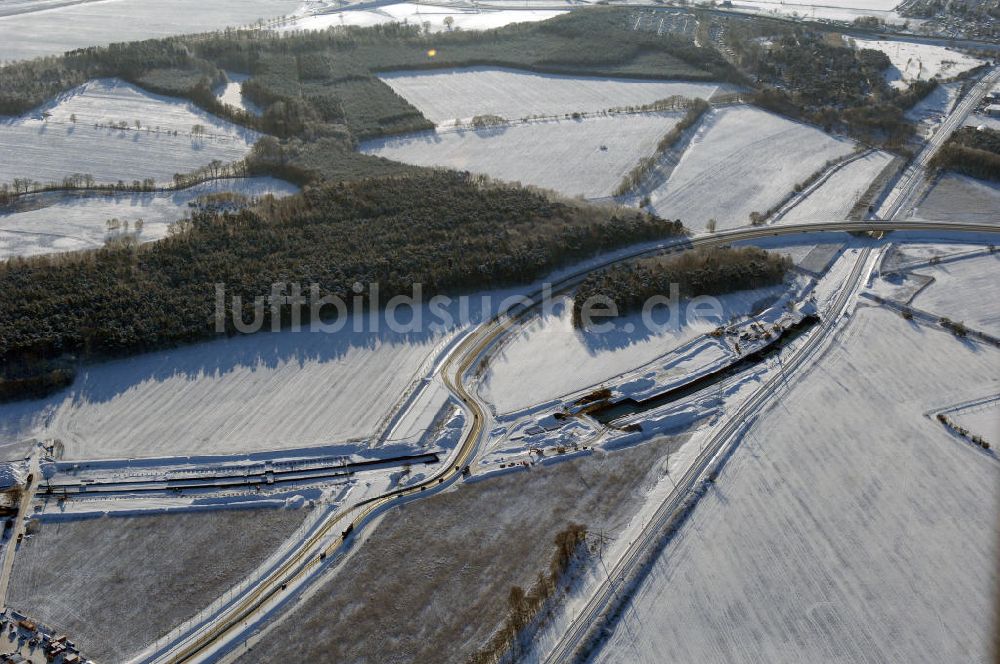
{"points": [[68, 221], [972, 151], [699, 272], [307, 71], [447, 231], [116, 132], [586, 157], [741, 163], [321, 94], [37, 28], [816, 76], [430, 17], [835, 198], [444, 95]]}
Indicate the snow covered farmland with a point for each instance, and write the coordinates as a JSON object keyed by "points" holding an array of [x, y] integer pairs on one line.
{"points": [[446, 95], [833, 199], [742, 160], [57, 222], [457, 594], [29, 30], [60, 138], [830, 10], [585, 157], [918, 62], [964, 290], [433, 16], [960, 198], [264, 391], [531, 368], [858, 531], [980, 120], [85, 577]]}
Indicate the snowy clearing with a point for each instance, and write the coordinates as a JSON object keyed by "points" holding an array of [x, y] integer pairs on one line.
{"points": [[585, 157], [431, 16], [531, 368], [918, 62], [48, 150], [449, 94], [65, 222], [742, 160], [834, 199], [232, 93], [961, 198], [932, 109], [964, 290], [86, 577], [34, 31], [846, 526], [263, 391]]}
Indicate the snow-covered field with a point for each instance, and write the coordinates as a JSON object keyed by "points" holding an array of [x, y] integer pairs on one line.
{"points": [[979, 120], [588, 157], [961, 198], [860, 5], [846, 10], [49, 149], [263, 391], [981, 419], [964, 290], [68, 223], [449, 94], [847, 526], [742, 160], [232, 93], [435, 576], [933, 108], [30, 30], [432, 17], [549, 357], [87, 577], [918, 62], [833, 200]]}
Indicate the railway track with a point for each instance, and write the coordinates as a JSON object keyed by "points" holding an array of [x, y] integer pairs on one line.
{"points": [[259, 475]]}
